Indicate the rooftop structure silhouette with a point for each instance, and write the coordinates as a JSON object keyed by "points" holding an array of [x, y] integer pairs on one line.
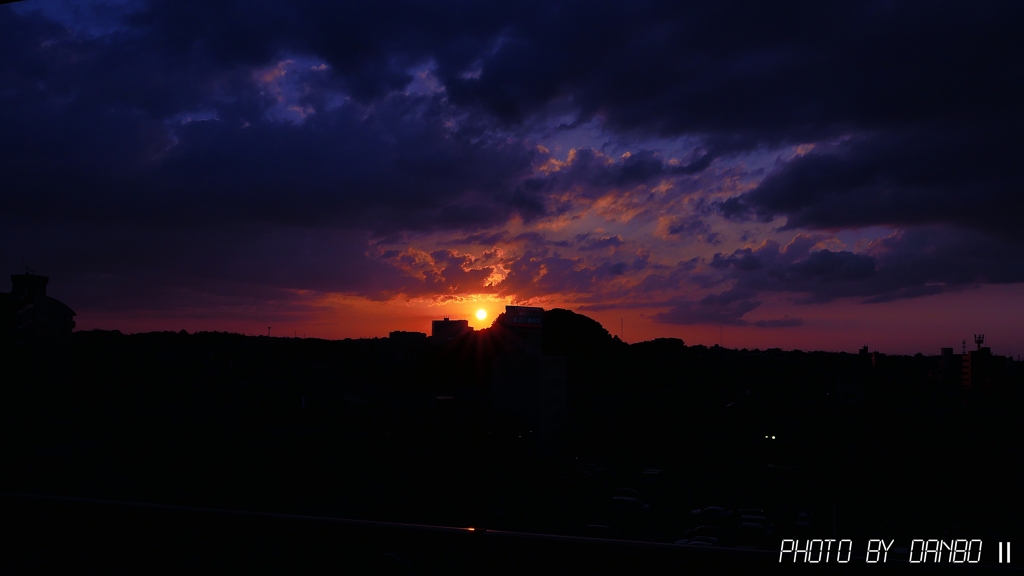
{"points": [[27, 314], [446, 330]]}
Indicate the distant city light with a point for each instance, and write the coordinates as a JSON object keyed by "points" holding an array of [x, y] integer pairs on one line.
{"points": [[481, 314], [773, 437]]}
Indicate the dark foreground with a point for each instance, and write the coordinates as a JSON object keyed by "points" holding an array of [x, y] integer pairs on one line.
{"points": [[80, 536], [732, 450]]}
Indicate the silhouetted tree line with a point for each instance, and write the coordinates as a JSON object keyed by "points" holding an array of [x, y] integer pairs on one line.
{"points": [[380, 427]]}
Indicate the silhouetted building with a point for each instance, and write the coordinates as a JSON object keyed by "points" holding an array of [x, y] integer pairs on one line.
{"points": [[29, 315], [527, 388], [1014, 371], [445, 330], [982, 371], [524, 327], [974, 370]]}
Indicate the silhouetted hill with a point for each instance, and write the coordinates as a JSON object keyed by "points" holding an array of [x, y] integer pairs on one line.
{"points": [[593, 356], [589, 349], [658, 348], [573, 335], [661, 363]]}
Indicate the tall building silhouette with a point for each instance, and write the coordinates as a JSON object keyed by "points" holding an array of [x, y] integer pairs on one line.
{"points": [[445, 330], [982, 370], [527, 388], [975, 370]]}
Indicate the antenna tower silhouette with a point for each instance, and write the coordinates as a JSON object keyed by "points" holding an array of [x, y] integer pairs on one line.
{"points": [[979, 339], [28, 271]]}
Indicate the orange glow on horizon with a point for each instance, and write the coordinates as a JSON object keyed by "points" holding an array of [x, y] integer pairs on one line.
{"points": [[842, 326]]}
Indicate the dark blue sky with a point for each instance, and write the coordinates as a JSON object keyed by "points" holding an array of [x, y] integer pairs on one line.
{"points": [[814, 175]]}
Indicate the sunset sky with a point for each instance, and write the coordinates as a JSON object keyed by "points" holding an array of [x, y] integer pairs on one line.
{"points": [[812, 175]]}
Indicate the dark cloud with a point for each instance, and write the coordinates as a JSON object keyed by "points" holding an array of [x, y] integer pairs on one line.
{"points": [[536, 240], [391, 171], [642, 260], [694, 226], [739, 74], [911, 263], [780, 323], [930, 96], [722, 310], [671, 282], [907, 292], [98, 128], [744, 72], [480, 238], [962, 175], [907, 264], [541, 273], [370, 46], [589, 166], [134, 209], [655, 289], [587, 173], [274, 142], [587, 243]]}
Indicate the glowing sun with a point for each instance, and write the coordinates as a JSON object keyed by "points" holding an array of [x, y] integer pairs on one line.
{"points": [[481, 314]]}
